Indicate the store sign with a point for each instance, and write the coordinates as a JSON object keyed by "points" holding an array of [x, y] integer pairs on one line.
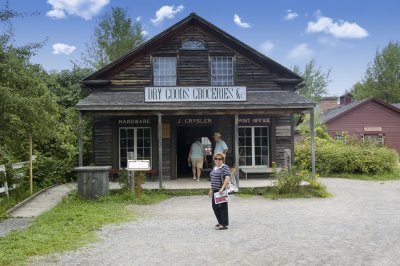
{"points": [[195, 94], [372, 129], [139, 165], [134, 122], [247, 121], [194, 121]]}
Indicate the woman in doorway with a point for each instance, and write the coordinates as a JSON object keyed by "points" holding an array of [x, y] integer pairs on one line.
{"points": [[220, 176], [196, 156]]}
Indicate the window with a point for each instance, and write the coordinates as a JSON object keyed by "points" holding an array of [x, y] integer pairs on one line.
{"points": [[222, 71], [376, 138], [193, 45], [253, 146], [164, 71], [136, 140], [340, 136]]}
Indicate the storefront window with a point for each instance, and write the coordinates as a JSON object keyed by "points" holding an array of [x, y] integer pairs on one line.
{"points": [[375, 138], [222, 71], [164, 71], [253, 146], [136, 140]]}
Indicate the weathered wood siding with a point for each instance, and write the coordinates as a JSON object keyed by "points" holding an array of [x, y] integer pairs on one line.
{"points": [[283, 137], [102, 140], [193, 66]]}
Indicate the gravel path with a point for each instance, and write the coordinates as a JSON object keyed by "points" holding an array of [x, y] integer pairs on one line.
{"points": [[359, 225]]}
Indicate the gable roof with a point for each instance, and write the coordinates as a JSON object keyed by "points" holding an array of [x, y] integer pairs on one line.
{"points": [[335, 113], [289, 77]]}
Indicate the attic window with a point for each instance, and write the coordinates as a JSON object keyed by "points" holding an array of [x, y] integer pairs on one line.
{"points": [[193, 45]]}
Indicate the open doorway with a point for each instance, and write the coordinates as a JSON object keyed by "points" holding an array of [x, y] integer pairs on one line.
{"points": [[185, 137]]}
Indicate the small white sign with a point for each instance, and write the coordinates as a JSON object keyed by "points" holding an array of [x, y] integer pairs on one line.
{"points": [[195, 94], [139, 165]]}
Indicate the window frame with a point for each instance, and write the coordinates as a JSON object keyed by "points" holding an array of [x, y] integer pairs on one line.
{"points": [[225, 76], [253, 147], [135, 144], [172, 77]]}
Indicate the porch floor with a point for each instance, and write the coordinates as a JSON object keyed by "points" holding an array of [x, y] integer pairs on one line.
{"points": [[188, 183]]}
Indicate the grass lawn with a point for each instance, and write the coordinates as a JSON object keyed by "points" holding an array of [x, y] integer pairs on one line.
{"points": [[68, 226], [73, 223]]}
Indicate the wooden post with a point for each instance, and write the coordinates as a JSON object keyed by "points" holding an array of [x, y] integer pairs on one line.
{"points": [[131, 174], [312, 142], [30, 164], [139, 183], [160, 150], [80, 139], [237, 149]]}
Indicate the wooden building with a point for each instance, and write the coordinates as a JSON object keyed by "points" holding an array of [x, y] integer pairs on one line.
{"points": [[369, 119], [192, 80]]}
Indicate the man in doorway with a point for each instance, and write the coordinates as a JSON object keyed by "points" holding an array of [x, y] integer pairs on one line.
{"points": [[220, 145]]}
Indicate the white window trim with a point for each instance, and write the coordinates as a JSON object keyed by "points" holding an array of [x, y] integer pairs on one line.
{"points": [[154, 76], [253, 149], [134, 143], [233, 71]]}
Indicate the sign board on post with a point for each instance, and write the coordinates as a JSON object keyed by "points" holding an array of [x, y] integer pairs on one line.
{"points": [[139, 165]]}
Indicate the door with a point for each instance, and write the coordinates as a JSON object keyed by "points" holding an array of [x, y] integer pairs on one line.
{"points": [[184, 138]]}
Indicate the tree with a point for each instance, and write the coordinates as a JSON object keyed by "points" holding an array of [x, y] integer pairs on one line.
{"points": [[382, 78], [315, 81], [114, 35]]}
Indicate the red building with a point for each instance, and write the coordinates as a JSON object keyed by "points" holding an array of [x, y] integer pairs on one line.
{"points": [[369, 119]]}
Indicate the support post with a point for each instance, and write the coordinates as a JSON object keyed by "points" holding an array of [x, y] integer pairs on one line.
{"points": [[131, 174], [80, 139], [312, 142], [160, 150], [237, 149]]}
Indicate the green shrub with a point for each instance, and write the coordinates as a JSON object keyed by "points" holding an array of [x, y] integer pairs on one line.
{"points": [[297, 182], [49, 171], [353, 157]]}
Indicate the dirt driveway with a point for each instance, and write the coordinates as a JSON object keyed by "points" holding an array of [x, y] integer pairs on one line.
{"points": [[359, 225]]}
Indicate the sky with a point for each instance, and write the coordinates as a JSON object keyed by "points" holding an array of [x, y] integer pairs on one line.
{"points": [[342, 36]]}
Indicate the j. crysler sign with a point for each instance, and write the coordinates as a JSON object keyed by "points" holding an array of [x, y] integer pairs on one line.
{"points": [[195, 94]]}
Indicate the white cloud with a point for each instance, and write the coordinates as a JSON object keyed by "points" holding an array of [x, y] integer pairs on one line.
{"points": [[339, 29], [238, 21], [301, 52], [85, 9], [291, 15], [61, 48], [166, 12], [59, 14], [267, 47], [145, 33]]}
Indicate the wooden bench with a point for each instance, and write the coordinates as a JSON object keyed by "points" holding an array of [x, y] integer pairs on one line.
{"points": [[261, 169]]}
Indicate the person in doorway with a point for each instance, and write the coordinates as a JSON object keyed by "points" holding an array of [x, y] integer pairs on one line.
{"points": [[220, 177], [220, 145], [196, 156]]}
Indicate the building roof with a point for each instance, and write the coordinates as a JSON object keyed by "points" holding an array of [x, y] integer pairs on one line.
{"points": [[288, 76], [332, 114], [134, 101]]}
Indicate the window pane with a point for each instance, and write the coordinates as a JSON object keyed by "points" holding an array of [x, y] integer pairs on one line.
{"points": [[222, 71], [128, 143], [259, 146], [164, 71]]}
